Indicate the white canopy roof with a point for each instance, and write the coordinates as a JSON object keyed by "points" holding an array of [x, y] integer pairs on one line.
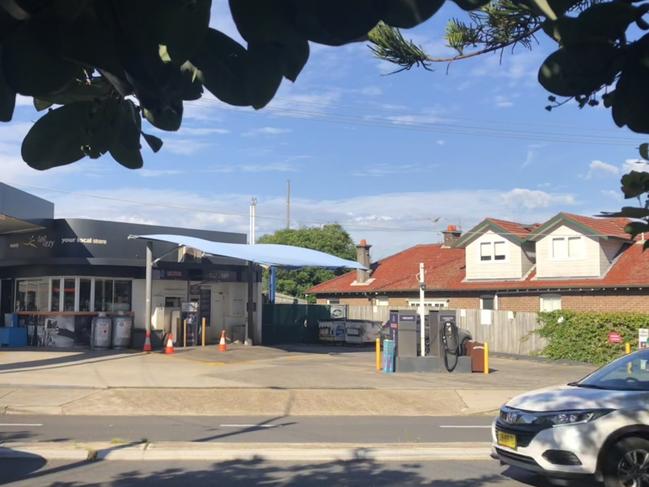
{"points": [[267, 254]]}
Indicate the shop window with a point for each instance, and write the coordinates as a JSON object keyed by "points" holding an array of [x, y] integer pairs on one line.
{"points": [[488, 302], [55, 296], [85, 287], [69, 292], [112, 295], [32, 294]]}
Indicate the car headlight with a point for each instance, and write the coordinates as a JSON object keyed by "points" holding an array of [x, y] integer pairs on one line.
{"points": [[551, 419], [562, 418]]}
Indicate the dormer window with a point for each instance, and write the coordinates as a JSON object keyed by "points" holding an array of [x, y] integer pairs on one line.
{"points": [[492, 251], [566, 248]]}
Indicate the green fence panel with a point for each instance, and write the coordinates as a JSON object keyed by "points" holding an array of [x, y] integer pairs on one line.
{"points": [[292, 323]]}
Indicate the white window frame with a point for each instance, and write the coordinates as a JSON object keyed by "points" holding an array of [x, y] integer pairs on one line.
{"points": [[491, 255], [578, 254], [488, 257], [489, 296], [549, 297], [382, 301]]}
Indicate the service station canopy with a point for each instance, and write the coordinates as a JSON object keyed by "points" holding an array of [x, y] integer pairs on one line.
{"points": [[265, 254]]}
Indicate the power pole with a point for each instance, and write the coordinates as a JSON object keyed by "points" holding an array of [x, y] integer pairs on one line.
{"points": [[422, 309], [253, 223], [288, 204]]}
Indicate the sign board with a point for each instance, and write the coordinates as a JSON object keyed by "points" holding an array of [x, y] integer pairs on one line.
{"points": [[191, 307], [614, 337], [643, 338]]}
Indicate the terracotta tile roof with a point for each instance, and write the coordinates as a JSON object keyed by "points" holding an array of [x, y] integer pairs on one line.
{"points": [[610, 227], [520, 230], [445, 271]]}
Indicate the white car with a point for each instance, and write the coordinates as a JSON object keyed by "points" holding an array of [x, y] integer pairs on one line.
{"points": [[597, 427]]}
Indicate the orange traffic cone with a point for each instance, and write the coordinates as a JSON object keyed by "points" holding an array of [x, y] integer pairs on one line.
{"points": [[222, 345], [170, 344], [147, 342]]}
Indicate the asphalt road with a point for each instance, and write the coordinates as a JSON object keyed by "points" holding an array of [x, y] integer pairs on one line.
{"points": [[246, 473], [295, 429]]}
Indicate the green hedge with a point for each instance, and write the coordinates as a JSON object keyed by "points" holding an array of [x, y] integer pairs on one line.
{"points": [[584, 336]]}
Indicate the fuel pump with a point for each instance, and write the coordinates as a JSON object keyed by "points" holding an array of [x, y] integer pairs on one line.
{"points": [[450, 340]]}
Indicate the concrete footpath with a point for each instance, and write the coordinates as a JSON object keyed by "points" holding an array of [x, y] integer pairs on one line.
{"points": [[223, 452], [255, 381]]}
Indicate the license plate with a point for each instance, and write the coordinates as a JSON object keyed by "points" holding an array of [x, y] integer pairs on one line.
{"points": [[506, 439]]}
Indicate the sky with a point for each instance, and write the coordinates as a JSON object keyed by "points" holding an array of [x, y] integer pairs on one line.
{"points": [[393, 158]]}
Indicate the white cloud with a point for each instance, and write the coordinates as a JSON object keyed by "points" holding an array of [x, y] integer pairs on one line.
{"points": [[601, 168], [199, 131], [502, 101], [534, 199], [639, 165], [267, 131], [384, 169], [440, 142], [391, 222], [185, 147], [371, 91]]}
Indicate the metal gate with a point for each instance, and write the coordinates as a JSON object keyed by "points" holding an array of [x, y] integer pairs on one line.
{"points": [[292, 323]]}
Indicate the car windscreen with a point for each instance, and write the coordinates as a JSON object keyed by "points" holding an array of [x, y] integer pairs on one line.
{"points": [[629, 373]]}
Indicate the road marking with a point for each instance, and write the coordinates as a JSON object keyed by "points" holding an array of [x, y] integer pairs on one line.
{"points": [[25, 425], [465, 426], [248, 425]]}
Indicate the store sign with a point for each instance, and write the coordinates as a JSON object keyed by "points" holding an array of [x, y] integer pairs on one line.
{"points": [[84, 240], [643, 338], [614, 337], [34, 242]]}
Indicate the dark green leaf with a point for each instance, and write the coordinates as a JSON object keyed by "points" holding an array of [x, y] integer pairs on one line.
{"points": [[125, 147], [30, 68], [579, 69], [644, 150], [631, 101], [164, 115], [628, 212], [7, 97], [635, 183], [265, 72], [57, 138], [41, 105], [295, 55], [407, 13], [154, 142], [223, 65], [471, 4], [635, 228], [335, 22]]}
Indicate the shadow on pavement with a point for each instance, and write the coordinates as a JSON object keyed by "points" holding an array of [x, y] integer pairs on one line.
{"points": [[84, 356], [246, 429], [323, 348]]}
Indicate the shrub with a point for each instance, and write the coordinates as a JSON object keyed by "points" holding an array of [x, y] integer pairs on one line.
{"points": [[584, 336]]}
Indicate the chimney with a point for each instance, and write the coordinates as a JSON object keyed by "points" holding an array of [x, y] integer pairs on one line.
{"points": [[451, 235], [363, 258]]}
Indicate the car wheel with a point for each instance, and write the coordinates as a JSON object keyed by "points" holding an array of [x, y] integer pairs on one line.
{"points": [[627, 463]]}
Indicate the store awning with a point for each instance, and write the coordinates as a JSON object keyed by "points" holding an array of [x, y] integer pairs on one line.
{"points": [[266, 254]]}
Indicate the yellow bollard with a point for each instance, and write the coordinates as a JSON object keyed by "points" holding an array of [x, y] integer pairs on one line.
{"points": [[627, 348], [185, 333], [378, 354], [203, 332], [486, 358]]}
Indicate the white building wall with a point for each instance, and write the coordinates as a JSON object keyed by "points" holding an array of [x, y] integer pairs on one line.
{"points": [[586, 264], [510, 268]]}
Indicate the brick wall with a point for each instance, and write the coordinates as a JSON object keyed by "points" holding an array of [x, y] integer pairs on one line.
{"points": [[529, 303], [607, 302]]}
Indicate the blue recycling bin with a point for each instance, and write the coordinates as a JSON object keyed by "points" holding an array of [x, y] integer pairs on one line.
{"points": [[388, 356]]}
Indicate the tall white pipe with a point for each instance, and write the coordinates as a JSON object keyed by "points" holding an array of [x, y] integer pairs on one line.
{"points": [[422, 310]]}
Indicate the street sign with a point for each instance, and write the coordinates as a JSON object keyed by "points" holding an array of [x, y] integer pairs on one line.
{"points": [[614, 337], [643, 337]]}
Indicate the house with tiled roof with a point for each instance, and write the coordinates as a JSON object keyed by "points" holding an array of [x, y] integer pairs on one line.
{"points": [[569, 262]]}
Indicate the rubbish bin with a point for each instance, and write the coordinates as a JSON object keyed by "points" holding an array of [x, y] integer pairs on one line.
{"points": [[122, 327], [477, 357], [101, 332]]}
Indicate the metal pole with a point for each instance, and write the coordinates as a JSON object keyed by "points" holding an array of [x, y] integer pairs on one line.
{"points": [[422, 312], [250, 322], [203, 331], [148, 286], [253, 217]]}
